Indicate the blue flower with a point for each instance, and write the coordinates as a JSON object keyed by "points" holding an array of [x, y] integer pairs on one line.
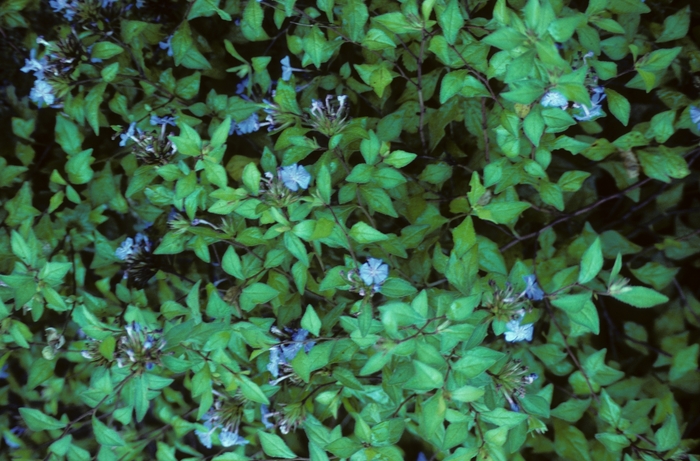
{"points": [[230, 438], [516, 332], [42, 93], [34, 65], [3, 373], [695, 115], [589, 113], [12, 435], [265, 415], [554, 99], [129, 133], [287, 69], [295, 177], [421, 457], [205, 437], [165, 120], [249, 125], [70, 8], [273, 365], [532, 290], [374, 272], [166, 45]]}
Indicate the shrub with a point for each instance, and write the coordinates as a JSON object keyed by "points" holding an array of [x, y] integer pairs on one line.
{"points": [[344, 229]]}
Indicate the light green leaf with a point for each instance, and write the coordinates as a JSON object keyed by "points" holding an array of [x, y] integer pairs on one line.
{"points": [[642, 297], [274, 446], [591, 263]]}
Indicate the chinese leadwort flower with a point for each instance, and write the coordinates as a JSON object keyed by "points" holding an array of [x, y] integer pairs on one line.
{"points": [[283, 354], [515, 331], [34, 65], [287, 69], [167, 45], [129, 247], [589, 113], [165, 120], [329, 117], [695, 115], [294, 177], [231, 438], [247, 126], [374, 272], [129, 133], [554, 99], [70, 7], [3, 373], [532, 290], [42, 93]]}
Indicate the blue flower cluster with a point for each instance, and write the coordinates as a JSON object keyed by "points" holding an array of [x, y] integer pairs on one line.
{"points": [[247, 126], [42, 93], [515, 329], [283, 354], [130, 247], [585, 113], [229, 433]]}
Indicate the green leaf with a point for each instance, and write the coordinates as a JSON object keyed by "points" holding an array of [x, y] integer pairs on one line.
{"points": [[105, 435], [467, 394], [40, 371], [684, 361], [257, 293], [591, 263], [38, 421], [105, 50], [310, 321], [451, 21], [502, 212], [675, 26], [274, 446], [252, 22], [619, 106], [425, 378], [655, 274], [363, 233], [642, 297], [669, 435], [252, 391], [399, 158]]}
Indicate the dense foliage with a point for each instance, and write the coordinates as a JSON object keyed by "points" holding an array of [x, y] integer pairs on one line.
{"points": [[331, 229]]}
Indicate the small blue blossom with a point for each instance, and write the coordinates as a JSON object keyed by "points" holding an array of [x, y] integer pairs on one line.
{"points": [[3, 372], [70, 7], [12, 435], [532, 290], [165, 120], [140, 3], [265, 415], [421, 457], [247, 126], [294, 177], [287, 69], [167, 45], [374, 272], [514, 407], [283, 354], [554, 99], [589, 113], [695, 115], [127, 249], [129, 133], [241, 87], [205, 437], [273, 365], [34, 65], [516, 332], [231, 438], [42, 93]]}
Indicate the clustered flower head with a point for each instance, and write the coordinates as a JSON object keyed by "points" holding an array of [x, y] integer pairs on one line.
{"points": [[329, 117], [282, 354], [224, 415], [150, 147], [138, 257], [369, 278], [512, 379], [139, 347]]}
